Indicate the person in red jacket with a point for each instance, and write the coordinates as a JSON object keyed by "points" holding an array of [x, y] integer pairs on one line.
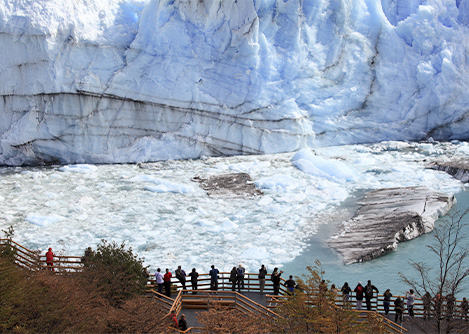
{"points": [[167, 282], [50, 259]]}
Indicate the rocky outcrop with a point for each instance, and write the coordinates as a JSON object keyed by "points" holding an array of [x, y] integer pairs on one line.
{"points": [[229, 185], [458, 169], [385, 218]]}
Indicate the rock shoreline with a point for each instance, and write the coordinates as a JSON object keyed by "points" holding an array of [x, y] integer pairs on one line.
{"points": [[385, 218]]}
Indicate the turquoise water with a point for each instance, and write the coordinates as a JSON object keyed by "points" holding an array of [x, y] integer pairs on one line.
{"points": [[383, 271]]}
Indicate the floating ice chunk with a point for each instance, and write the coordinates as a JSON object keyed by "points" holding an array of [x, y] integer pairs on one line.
{"points": [[164, 186], [104, 185], [43, 220], [227, 224], [254, 253], [463, 148], [249, 166], [265, 201], [292, 198], [279, 183], [312, 164], [78, 168], [51, 204], [205, 223]]}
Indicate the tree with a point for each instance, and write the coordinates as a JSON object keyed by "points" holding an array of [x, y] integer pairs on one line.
{"points": [[6, 249], [116, 272], [443, 282]]}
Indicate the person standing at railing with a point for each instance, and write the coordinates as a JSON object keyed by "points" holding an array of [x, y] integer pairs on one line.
{"points": [[214, 278], [290, 284], [181, 276], [232, 278], [369, 288], [159, 280], [387, 301], [398, 309], [346, 292], [464, 308], [167, 282], [240, 277], [359, 295], [427, 301], [262, 274], [194, 280], [50, 259], [450, 300], [275, 277], [409, 295]]}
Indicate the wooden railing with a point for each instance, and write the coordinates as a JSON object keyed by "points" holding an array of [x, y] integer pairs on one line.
{"points": [[22, 256], [251, 283], [274, 301], [32, 260], [370, 316], [206, 298]]}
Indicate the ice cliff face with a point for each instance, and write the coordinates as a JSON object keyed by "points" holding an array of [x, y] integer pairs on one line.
{"points": [[124, 81]]}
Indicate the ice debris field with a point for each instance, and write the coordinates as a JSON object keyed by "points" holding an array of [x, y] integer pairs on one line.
{"points": [[170, 221]]}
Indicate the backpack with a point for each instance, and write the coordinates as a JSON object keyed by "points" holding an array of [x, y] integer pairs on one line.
{"points": [[359, 290], [369, 290]]}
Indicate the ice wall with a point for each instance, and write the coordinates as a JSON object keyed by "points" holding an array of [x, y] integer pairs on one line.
{"points": [[124, 81]]}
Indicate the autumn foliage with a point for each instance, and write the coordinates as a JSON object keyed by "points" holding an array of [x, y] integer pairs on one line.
{"points": [[42, 302]]}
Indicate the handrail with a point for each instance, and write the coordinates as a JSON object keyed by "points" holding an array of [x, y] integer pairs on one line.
{"points": [[251, 282], [160, 295], [239, 300], [388, 323]]}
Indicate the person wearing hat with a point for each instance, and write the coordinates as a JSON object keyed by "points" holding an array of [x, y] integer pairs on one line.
{"points": [[50, 259]]}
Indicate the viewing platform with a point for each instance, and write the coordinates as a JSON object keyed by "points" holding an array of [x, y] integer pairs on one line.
{"points": [[247, 299]]}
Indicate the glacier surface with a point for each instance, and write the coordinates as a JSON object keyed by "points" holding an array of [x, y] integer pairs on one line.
{"points": [[109, 81]]}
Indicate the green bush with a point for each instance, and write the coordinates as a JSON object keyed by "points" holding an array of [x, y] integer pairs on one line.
{"points": [[116, 272]]}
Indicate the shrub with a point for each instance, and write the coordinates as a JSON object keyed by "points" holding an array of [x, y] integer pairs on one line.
{"points": [[116, 272]]}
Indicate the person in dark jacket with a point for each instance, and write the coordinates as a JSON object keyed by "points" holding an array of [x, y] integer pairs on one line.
{"points": [[359, 295], [214, 278], [240, 277], [275, 277], [181, 276], [398, 309], [387, 301], [262, 274], [194, 279], [182, 322], [369, 288], [290, 284], [233, 274], [346, 292]]}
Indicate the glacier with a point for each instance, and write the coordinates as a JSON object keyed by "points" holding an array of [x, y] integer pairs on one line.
{"points": [[115, 81]]}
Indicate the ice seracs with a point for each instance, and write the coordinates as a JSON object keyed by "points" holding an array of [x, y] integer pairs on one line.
{"points": [[135, 81]]}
